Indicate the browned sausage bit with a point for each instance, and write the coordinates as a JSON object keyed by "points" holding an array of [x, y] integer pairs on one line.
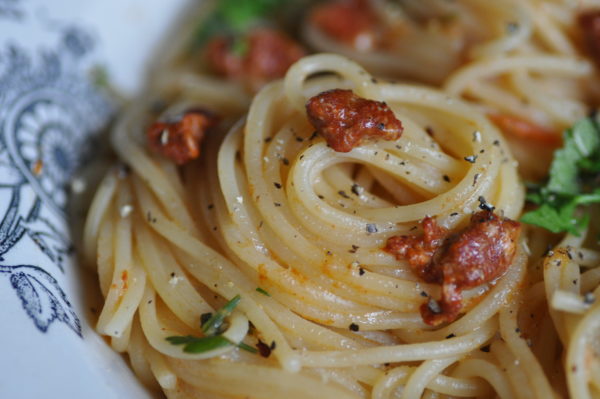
{"points": [[350, 21], [345, 120], [477, 255], [180, 139], [268, 55]]}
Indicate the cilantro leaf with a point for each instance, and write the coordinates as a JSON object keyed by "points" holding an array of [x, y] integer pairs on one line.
{"points": [[573, 173]]}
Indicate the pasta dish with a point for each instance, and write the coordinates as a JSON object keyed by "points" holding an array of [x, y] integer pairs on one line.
{"points": [[360, 199]]}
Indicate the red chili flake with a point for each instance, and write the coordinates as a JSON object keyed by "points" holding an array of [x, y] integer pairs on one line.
{"points": [[124, 279], [180, 140], [477, 255], [264, 349], [345, 119], [349, 21], [268, 56]]}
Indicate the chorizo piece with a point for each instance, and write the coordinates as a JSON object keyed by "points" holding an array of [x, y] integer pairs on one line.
{"points": [[349, 21], [266, 55], [477, 255], [180, 140], [345, 120]]}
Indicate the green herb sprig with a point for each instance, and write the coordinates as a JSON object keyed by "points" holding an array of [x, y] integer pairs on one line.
{"points": [[214, 323], [573, 181], [262, 291], [212, 330], [193, 344]]}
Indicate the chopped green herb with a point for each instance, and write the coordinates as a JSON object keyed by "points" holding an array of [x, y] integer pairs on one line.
{"points": [[200, 345], [262, 291], [204, 344], [580, 142], [233, 18], [204, 317], [560, 216], [247, 348], [212, 325], [572, 181], [181, 340], [241, 13]]}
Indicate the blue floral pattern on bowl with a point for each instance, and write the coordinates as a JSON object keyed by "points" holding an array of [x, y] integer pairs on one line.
{"points": [[50, 112], [48, 115]]}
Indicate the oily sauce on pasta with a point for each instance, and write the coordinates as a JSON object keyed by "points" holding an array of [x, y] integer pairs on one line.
{"points": [[324, 207]]}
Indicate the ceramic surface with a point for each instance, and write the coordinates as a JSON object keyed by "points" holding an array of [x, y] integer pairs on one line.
{"points": [[55, 58]]}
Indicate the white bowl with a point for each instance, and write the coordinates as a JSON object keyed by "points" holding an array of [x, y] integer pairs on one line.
{"points": [[50, 109]]}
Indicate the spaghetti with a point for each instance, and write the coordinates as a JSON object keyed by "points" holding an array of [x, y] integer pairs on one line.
{"points": [[260, 269], [518, 61], [340, 309]]}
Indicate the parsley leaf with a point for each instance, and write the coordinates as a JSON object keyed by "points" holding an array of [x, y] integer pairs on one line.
{"points": [[241, 14], [581, 141], [555, 219], [573, 181], [233, 18]]}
